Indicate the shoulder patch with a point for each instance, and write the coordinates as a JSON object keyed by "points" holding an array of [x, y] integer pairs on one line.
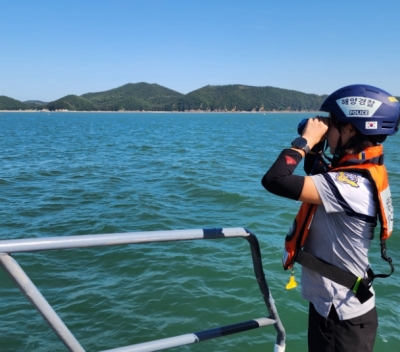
{"points": [[347, 178]]}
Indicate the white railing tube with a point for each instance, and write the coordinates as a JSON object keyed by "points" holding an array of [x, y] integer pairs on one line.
{"points": [[12, 268]]}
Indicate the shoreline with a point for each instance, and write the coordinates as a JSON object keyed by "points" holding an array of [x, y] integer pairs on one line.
{"points": [[162, 112]]}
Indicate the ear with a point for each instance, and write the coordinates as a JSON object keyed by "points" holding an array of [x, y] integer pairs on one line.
{"points": [[351, 129]]}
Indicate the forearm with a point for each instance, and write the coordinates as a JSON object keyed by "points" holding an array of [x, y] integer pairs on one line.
{"points": [[280, 180]]}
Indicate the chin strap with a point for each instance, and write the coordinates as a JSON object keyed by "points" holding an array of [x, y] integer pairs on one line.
{"points": [[338, 152], [322, 161]]}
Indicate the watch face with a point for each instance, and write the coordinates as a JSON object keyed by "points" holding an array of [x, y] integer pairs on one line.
{"points": [[299, 142]]}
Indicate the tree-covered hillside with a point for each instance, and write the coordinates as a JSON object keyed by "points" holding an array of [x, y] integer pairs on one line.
{"points": [[7, 103], [139, 96], [247, 98], [72, 103]]}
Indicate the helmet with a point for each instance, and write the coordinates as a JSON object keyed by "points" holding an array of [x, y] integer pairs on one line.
{"points": [[371, 110]]}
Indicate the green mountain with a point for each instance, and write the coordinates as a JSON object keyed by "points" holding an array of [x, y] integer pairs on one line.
{"points": [[153, 97], [247, 98], [7, 103], [72, 103], [133, 97]]}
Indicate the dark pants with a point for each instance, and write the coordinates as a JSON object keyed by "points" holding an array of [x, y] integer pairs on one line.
{"points": [[333, 335]]}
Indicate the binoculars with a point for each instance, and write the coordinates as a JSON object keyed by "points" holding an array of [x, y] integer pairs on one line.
{"points": [[300, 127], [302, 124]]}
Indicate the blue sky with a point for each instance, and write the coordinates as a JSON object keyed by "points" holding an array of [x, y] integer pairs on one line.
{"points": [[50, 49]]}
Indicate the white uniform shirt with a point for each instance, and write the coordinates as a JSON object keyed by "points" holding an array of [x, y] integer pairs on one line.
{"points": [[340, 234]]}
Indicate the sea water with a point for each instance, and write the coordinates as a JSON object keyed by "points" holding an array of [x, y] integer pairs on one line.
{"points": [[65, 174]]}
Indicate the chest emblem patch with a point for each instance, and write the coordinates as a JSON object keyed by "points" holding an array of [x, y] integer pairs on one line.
{"points": [[347, 178]]}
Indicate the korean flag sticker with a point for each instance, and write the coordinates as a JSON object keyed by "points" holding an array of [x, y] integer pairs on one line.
{"points": [[371, 125]]}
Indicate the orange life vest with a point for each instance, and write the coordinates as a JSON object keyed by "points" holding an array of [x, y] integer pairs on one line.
{"points": [[370, 164]]}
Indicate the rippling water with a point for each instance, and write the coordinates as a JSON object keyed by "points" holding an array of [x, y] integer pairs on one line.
{"points": [[68, 174]]}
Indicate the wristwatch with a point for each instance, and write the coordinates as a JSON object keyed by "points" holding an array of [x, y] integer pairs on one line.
{"points": [[301, 143]]}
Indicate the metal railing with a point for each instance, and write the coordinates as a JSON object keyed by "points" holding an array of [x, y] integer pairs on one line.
{"points": [[17, 274]]}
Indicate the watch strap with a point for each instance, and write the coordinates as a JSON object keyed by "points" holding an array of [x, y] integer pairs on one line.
{"points": [[301, 143]]}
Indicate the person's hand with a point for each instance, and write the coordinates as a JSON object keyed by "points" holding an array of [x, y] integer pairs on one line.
{"points": [[315, 130]]}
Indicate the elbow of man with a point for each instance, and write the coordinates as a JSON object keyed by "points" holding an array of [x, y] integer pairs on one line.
{"points": [[288, 187], [270, 183]]}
